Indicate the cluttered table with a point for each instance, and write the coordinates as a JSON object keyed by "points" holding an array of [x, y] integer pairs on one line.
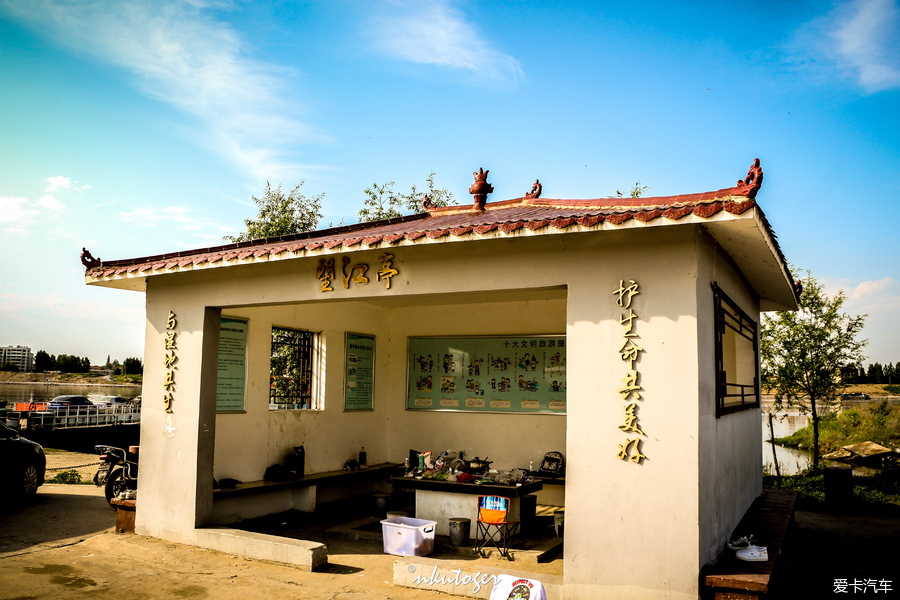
{"points": [[441, 501], [478, 489]]}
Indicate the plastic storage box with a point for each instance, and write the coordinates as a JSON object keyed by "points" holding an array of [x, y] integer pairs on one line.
{"points": [[405, 536]]}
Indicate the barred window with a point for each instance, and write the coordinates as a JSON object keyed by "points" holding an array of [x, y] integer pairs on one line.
{"points": [[737, 357], [291, 369]]}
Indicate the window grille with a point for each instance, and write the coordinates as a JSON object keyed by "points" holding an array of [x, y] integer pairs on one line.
{"points": [[291, 369], [737, 357]]}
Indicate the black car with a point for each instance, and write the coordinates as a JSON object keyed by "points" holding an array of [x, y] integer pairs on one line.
{"points": [[72, 404], [22, 465]]}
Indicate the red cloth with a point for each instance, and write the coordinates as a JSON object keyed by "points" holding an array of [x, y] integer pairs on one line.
{"points": [[466, 478]]}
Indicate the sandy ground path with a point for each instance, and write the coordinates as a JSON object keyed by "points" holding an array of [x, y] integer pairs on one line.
{"points": [[63, 546], [60, 461]]}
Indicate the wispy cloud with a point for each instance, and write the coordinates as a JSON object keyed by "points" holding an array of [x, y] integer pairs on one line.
{"points": [[438, 33], [880, 301], [170, 214], [860, 39], [178, 52]]}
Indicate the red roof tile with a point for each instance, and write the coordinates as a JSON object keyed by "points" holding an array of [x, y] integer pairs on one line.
{"points": [[506, 217]]}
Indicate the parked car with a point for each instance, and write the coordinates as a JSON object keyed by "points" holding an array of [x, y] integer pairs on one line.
{"points": [[22, 465], [856, 396], [111, 402], [71, 403]]}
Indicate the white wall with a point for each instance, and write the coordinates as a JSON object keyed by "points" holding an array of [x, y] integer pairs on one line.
{"points": [[730, 451], [633, 530]]}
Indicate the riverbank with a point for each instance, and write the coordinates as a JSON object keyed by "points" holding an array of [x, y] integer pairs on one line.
{"points": [[70, 379]]}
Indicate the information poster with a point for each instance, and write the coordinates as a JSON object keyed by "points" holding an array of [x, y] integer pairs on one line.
{"points": [[359, 373], [520, 374], [232, 365]]}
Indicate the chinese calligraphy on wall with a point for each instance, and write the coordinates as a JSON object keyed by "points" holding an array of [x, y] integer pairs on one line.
{"points": [[325, 272], [629, 352], [169, 361]]}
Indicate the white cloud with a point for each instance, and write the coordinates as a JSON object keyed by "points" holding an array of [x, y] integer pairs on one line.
{"points": [[859, 38], [437, 33], [880, 301], [15, 210], [50, 203], [57, 182], [180, 54]]}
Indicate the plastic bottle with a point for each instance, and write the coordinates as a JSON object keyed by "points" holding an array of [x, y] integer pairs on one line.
{"points": [[362, 458]]}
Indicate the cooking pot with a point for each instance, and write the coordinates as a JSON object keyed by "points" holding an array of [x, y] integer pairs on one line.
{"points": [[478, 466]]}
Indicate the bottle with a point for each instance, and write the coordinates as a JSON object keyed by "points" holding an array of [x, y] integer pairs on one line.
{"points": [[362, 459]]}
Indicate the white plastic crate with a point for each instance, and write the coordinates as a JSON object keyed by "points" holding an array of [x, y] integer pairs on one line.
{"points": [[405, 536]]}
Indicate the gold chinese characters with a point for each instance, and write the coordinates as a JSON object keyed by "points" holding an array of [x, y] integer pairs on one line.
{"points": [[354, 274], [169, 361], [629, 352]]}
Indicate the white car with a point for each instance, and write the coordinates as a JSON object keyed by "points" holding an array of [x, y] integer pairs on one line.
{"points": [[107, 402]]}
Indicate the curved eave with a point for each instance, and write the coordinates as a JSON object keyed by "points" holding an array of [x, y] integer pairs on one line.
{"points": [[736, 223]]}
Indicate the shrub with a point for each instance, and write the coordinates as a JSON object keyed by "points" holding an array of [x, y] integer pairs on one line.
{"points": [[70, 476]]}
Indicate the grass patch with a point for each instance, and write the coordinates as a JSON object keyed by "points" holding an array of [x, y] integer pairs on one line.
{"points": [[875, 495], [876, 422], [128, 378], [68, 477], [893, 389]]}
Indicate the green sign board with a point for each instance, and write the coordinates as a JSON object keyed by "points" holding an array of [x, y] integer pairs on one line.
{"points": [[359, 372], [232, 365], [512, 374]]}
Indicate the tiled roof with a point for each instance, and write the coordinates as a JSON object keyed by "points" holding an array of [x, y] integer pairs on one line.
{"points": [[505, 218]]}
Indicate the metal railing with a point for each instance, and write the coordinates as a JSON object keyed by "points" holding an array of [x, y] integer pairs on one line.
{"points": [[84, 416]]}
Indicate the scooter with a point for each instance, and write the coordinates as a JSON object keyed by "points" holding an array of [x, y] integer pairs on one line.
{"points": [[118, 470]]}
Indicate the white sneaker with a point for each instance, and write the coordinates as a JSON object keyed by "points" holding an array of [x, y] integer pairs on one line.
{"points": [[753, 554], [740, 543]]}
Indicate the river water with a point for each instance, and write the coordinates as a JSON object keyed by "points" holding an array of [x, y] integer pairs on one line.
{"points": [[37, 392], [791, 460]]}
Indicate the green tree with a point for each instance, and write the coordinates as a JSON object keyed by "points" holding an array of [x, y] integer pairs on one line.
{"points": [[132, 366], [44, 362], [803, 353], [10, 367], [281, 214], [382, 202], [636, 192]]}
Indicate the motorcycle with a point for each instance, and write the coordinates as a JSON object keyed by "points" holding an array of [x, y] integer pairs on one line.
{"points": [[118, 470]]}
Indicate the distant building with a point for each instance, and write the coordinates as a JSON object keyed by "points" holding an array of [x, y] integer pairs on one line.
{"points": [[20, 356]]}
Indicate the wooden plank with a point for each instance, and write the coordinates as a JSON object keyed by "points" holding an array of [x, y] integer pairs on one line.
{"points": [[249, 488], [767, 520]]}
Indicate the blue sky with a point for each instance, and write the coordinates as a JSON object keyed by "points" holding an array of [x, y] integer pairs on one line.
{"points": [[136, 128]]}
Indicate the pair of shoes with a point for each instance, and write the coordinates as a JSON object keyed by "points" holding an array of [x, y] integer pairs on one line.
{"points": [[740, 543], [753, 554]]}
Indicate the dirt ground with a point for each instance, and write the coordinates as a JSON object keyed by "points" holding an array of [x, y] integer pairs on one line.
{"points": [[63, 547], [85, 464]]}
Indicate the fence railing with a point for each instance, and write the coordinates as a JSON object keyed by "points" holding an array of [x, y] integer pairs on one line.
{"points": [[83, 416]]}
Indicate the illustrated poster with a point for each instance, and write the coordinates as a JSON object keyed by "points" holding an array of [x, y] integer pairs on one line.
{"points": [[521, 374]]}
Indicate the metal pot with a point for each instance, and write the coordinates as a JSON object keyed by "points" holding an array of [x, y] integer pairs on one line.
{"points": [[478, 466]]}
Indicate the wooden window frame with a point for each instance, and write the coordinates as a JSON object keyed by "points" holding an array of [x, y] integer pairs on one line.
{"points": [[746, 328]]}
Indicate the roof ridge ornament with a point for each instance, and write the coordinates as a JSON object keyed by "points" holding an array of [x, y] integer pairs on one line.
{"points": [[481, 188], [752, 182], [89, 261], [535, 190]]}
